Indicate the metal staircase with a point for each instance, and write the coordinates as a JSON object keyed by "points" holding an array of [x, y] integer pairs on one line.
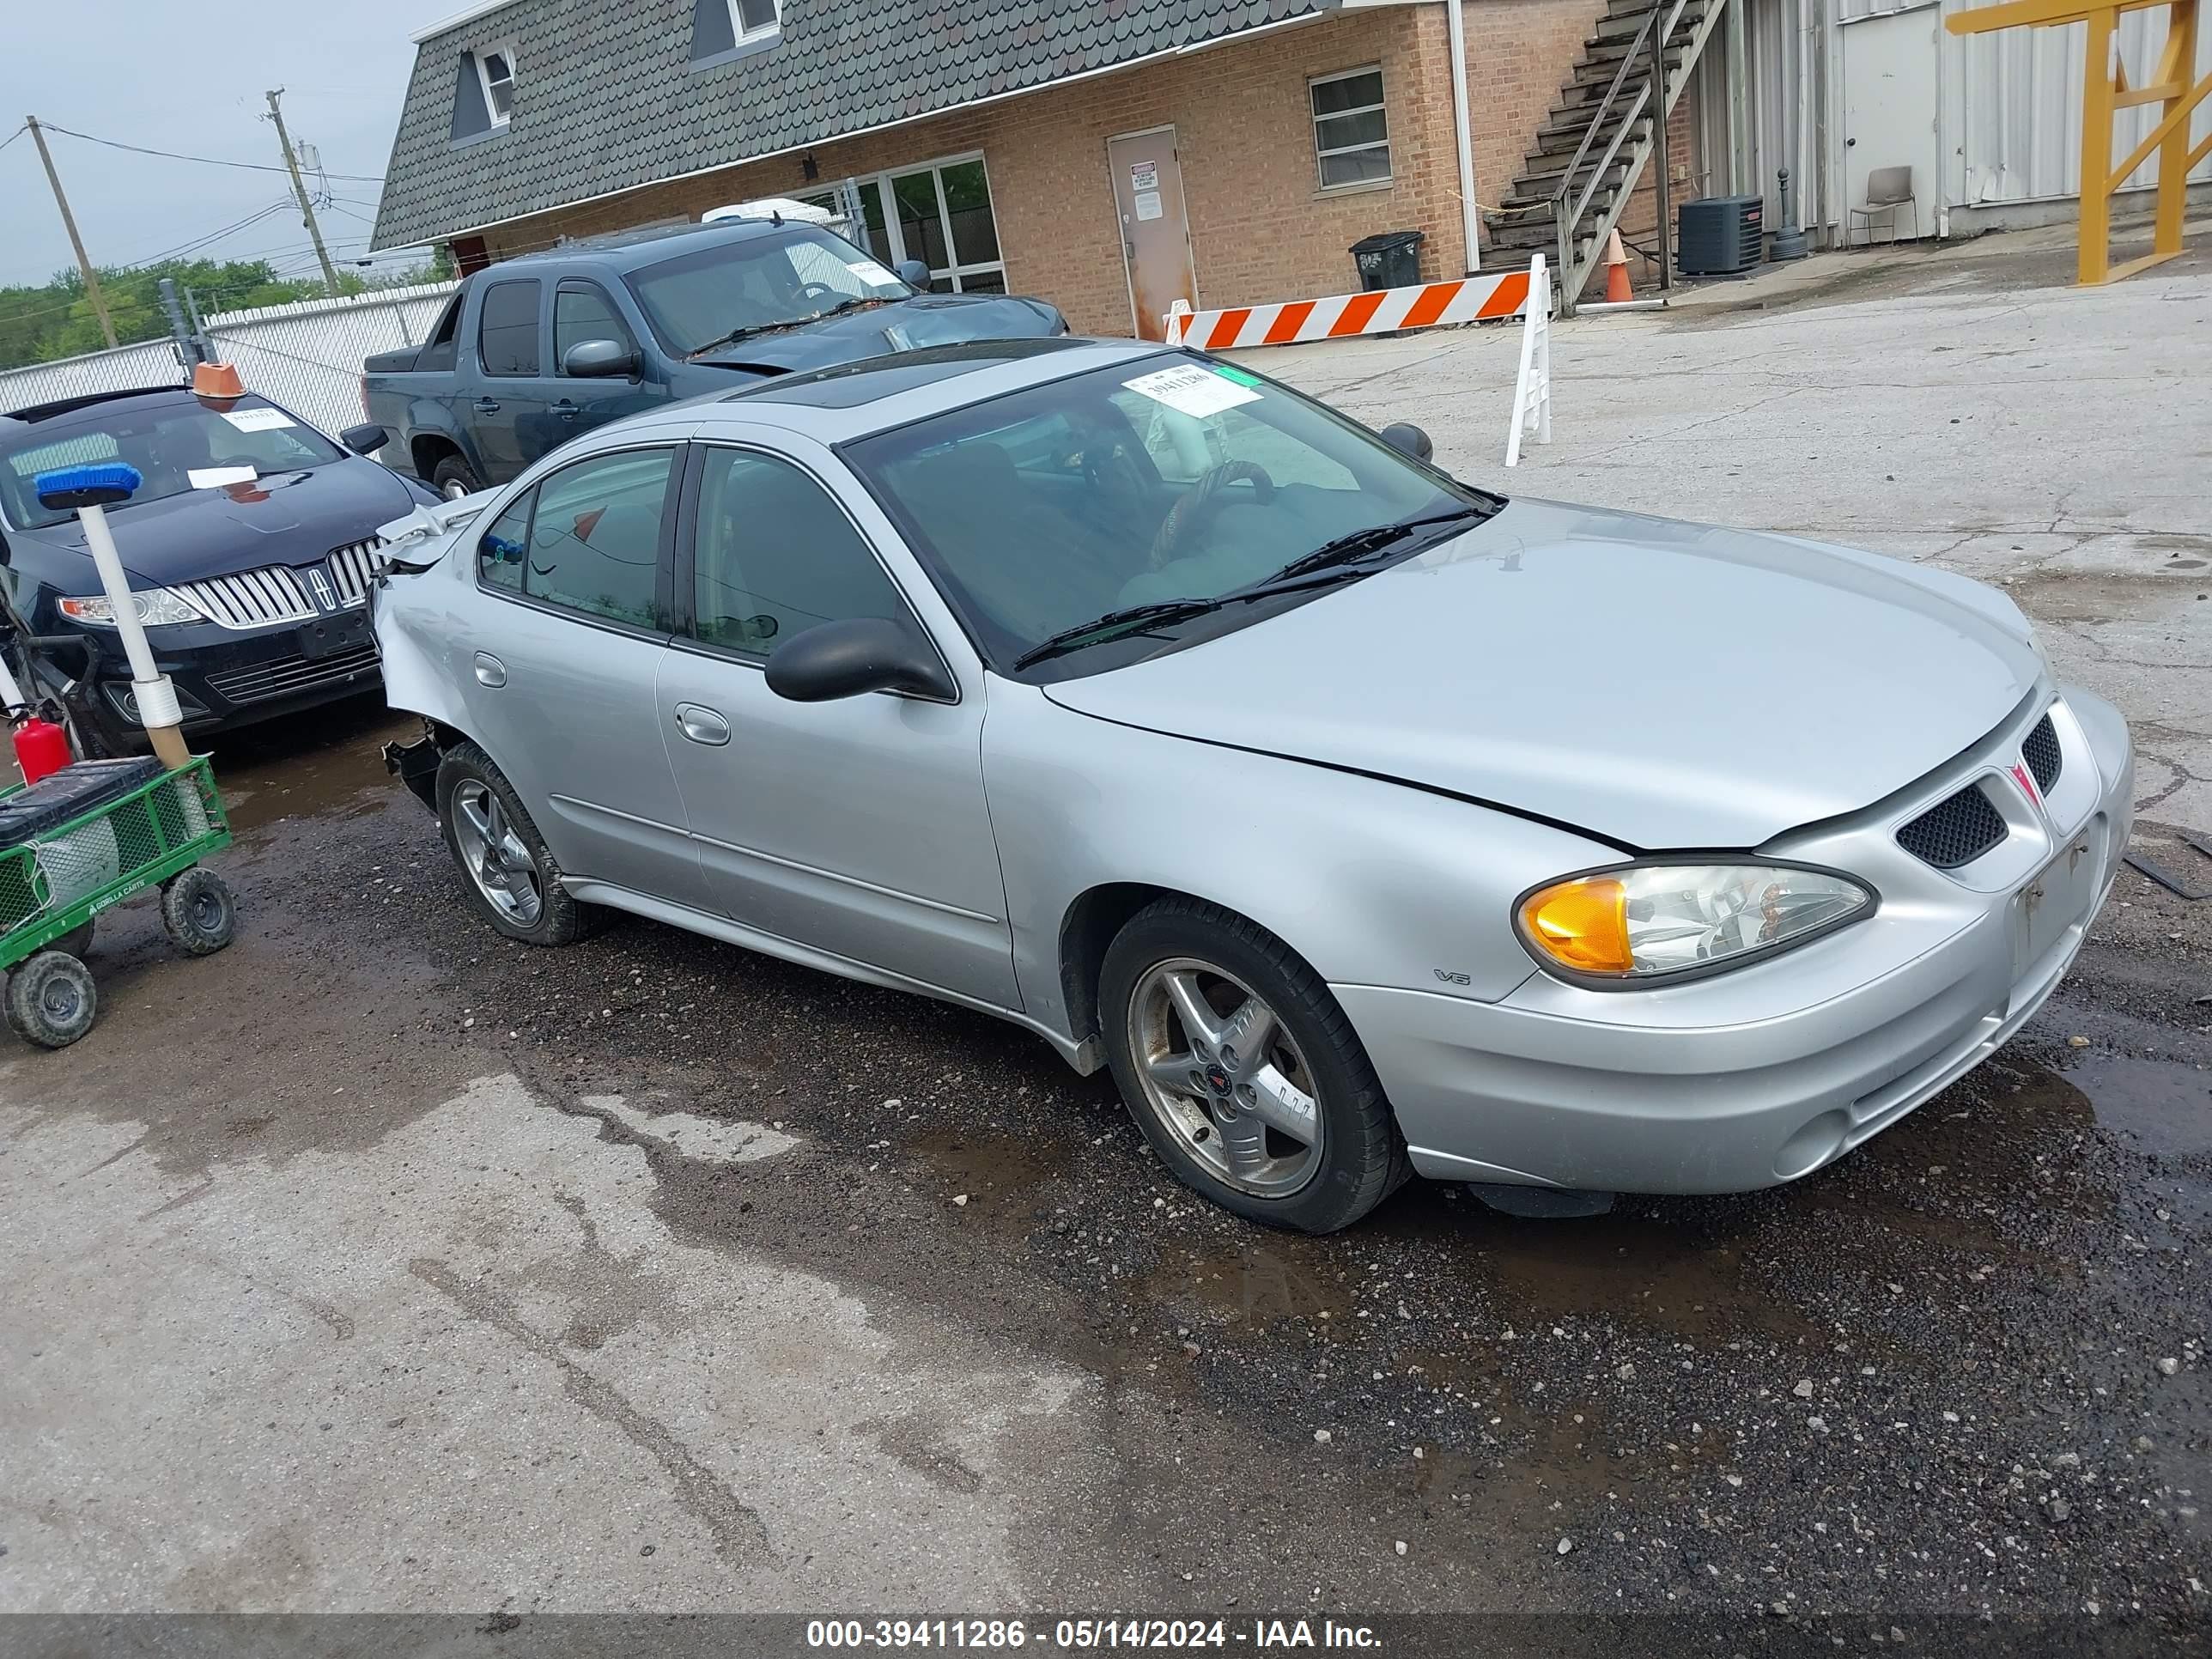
{"points": [[1592, 148]]}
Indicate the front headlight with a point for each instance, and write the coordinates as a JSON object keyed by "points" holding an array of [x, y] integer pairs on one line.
{"points": [[1652, 922], [155, 606]]}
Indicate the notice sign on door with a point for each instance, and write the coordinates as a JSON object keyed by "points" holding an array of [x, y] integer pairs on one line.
{"points": [[1143, 175], [1148, 204]]}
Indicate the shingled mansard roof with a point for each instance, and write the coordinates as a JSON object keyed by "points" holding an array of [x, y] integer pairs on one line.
{"points": [[607, 96]]}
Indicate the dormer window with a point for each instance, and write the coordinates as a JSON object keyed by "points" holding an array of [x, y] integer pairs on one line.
{"points": [[751, 19], [496, 69]]}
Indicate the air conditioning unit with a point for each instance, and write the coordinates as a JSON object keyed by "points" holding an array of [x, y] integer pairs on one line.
{"points": [[1718, 236]]}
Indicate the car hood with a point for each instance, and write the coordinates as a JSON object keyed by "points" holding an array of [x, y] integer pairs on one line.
{"points": [[927, 319], [1663, 686], [288, 518]]}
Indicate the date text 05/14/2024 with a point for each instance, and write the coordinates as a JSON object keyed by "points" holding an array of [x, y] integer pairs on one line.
{"points": [[1258, 1635]]}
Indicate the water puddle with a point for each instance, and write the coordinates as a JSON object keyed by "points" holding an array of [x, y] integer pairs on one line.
{"points": [[323, 762], [2162, 1106]]}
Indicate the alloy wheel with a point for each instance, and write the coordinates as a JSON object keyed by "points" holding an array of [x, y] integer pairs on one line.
{"points": [[495, 855], [1222, 1072]]}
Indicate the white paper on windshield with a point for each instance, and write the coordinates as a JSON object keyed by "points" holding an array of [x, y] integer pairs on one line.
{"points": [[214, 477], [257, 420], [869, 271], [1190, 390]]}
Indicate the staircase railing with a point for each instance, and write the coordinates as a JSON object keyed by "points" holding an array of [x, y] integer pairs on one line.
{"points": [[1565, 219]]}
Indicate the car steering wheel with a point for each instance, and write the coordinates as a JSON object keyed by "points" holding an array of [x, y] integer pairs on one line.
{"points": [[1191, 505], [820, 291]]}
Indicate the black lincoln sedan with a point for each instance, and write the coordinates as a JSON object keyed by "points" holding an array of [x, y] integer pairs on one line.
{"points": [[250, 546]]}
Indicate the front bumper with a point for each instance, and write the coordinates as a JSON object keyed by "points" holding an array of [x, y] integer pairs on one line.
{"points": [[225, 678], [1748, 1079]]}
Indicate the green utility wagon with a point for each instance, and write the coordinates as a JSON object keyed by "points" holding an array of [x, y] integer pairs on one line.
{"points": [[87, 838]]}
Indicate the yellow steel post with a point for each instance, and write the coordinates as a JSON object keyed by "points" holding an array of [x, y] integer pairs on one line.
{"points": [[2096, 254], [2176, 71]]}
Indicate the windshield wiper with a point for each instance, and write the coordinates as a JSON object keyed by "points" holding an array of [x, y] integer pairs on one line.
{"points": [[1360, 545], [855, 303], [1129, 619], [735, 334]]}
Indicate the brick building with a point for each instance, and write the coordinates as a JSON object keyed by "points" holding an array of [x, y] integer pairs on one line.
{"points": [[1106, 154]]}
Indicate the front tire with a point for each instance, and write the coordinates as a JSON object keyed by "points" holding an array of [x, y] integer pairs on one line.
{"points": [[50, 1000], [1243, 1072], [510, 873]]}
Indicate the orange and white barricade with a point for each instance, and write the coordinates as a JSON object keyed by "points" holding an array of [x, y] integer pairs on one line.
{"points": [[1340, 316]]}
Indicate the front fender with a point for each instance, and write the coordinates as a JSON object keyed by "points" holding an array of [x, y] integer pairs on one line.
{"points": [[1372, 882]]}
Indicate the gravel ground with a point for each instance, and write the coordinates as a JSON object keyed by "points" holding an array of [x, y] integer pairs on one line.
{"points": [[1962, 1372]]}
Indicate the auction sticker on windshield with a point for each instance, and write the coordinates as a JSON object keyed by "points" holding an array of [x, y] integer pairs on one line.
{"points": [[1191, 389], [869, 271], [257, 420]]}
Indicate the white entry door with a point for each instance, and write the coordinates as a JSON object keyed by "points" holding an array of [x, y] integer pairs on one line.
{"points": [[1889, 112]]}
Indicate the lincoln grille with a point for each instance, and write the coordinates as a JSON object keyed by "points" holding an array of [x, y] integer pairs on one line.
{"points": [[2040, 752], [280, 677], [1954, 831]]}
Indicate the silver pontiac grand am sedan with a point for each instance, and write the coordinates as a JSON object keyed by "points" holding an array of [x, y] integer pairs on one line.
{"points": [[1364, 822]]}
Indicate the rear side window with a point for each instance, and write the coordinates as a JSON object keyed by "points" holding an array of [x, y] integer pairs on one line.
{"points": [[595, 538], [776, 555], [581, 312], [507, 329]]}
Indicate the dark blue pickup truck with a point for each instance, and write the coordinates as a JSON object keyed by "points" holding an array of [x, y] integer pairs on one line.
{"points": [[533, 350]]}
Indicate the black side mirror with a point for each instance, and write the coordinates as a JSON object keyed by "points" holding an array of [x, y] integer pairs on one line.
{"points": [[598, 359], [914, 274], [844, 659], [1408, 440], [365, 440]]}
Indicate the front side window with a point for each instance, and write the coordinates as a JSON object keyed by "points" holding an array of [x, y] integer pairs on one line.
{"points": [[581, 312], [594, 542], [1351, 130], [507, 329], [1167, 478], [722, 295], [776, 555], [496, 68]]}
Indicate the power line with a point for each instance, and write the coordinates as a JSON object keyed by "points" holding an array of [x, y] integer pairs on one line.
{"points": [[199, 242], [205, 160], [13, 136]]}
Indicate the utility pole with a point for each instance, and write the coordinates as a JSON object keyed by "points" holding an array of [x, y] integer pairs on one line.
{"points": [[300, 190], [69, 223]]}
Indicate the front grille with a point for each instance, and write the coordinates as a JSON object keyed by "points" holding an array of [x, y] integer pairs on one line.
{"points": [[1954, 831], [352, 565], [251, 599], [273, 595], [282, 677], [2042, 755]]}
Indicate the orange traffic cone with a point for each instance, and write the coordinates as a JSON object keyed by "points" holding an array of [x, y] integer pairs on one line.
{"points": [[1616, 271]]}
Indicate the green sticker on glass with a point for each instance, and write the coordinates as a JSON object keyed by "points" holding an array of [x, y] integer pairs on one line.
{"points": [[1236, 374]]}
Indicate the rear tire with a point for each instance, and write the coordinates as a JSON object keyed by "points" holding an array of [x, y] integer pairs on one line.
{"points": [[50, 1000], [1274, 1112], [509, 872], [198, 911], [454, 478]]}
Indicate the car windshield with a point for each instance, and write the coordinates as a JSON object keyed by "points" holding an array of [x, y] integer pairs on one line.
{"points": [[1165, 479], [176, 447], [759, 282]]}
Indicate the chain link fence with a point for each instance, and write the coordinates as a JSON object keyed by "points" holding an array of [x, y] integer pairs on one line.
{"points": [[150, 363]]}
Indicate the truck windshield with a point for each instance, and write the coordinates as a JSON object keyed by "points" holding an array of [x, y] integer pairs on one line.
{"points": [[741, 287], [176, 447]]}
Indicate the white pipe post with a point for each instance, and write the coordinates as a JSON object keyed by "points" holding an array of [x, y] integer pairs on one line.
{"points": [[11, 695], [1470, 211], [156, 698]]}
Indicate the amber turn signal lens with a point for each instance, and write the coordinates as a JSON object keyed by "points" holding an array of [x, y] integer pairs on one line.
{"points": [[1581, 924]]}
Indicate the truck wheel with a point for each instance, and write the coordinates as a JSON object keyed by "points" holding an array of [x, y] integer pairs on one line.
{"points": [[453, 478], [50, 1000], [198, 911]]}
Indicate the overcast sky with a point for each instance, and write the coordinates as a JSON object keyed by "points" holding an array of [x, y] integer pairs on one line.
{"points": [[191, 78]]}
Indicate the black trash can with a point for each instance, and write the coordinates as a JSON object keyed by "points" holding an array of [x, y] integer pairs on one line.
{"points": [[1390, 258]]}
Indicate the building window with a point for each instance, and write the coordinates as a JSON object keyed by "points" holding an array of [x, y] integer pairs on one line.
{"points": [[496, 68], [750, 19], [1352, 134], [938, 212]]}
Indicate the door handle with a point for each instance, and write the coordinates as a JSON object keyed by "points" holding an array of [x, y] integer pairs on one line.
{"points": [[487, 406], [490, 671], [565, 410], [701, 724]]}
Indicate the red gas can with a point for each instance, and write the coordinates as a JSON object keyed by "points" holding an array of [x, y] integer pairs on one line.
{"points": [[41, 747]]}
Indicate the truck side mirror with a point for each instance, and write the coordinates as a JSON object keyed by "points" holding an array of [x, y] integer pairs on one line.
{"points": [[598, 359], [365, 440], [914, 274], [1408, 440]]}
